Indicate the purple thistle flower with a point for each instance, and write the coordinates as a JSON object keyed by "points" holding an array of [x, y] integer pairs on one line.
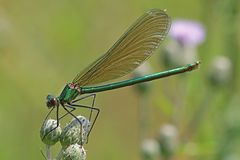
{"points": [[187, 33]]}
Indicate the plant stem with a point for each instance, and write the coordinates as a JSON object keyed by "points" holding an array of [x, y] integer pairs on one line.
{"points": [[48, 152], [59, 156]]}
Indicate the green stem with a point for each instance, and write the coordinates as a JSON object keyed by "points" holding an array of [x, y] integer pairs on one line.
{"points": [[48, 152], [59, 156]]}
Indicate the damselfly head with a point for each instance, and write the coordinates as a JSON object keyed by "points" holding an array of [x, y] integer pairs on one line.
{"points": [[52, 101]]}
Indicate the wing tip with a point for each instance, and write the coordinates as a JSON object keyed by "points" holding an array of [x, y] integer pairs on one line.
{"points": [[157, 11], [160, 12]]}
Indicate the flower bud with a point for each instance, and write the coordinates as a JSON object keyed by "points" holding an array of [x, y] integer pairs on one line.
{"points": [[175, 55], [47, 134], [150, 149], [221, 71], [141, 71], [74, 152], [168, 139], [73, 133]]}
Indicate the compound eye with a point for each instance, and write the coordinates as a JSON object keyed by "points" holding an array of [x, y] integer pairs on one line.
{"points": [[51, 101], [49, 104]]}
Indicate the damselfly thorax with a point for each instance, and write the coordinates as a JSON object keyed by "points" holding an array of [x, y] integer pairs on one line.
{"points": [[70, 92]]}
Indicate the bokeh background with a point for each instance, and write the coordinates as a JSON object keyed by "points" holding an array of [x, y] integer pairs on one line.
{"points": [[44, 44]]}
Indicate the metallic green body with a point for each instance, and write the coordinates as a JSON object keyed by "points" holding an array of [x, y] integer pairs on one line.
{"points": [[71, 91], [94, 89], [68, 94]]}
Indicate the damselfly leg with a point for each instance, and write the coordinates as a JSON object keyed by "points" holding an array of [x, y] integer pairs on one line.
{"points": [[57, 117], [91, 108], [71, 107], [93, 102]]}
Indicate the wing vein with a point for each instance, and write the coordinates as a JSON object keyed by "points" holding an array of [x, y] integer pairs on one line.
{"points": [[130, 51]]}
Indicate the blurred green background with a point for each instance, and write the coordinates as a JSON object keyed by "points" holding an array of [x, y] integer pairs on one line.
{"points": [[44, 44]]}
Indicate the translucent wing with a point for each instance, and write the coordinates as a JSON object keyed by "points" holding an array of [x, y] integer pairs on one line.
{"points": [[130, 51]]}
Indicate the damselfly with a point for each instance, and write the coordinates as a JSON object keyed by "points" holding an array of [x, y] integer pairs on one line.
{"points": [[131, 50]]}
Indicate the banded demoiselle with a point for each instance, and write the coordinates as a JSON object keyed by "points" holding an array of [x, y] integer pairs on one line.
{"points": [[130, 51]]}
